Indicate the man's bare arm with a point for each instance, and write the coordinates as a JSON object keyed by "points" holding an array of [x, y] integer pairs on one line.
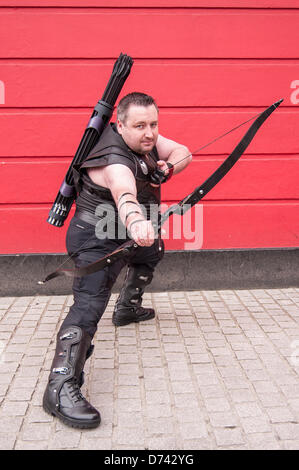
{"points": [[172, 152], [121, 182]]}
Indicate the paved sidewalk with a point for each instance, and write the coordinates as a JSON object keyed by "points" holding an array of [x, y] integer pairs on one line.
{"points": [[214, 370]]}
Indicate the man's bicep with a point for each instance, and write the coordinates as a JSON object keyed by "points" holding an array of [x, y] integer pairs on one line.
{"points": [[166, 146], [120, 179]]}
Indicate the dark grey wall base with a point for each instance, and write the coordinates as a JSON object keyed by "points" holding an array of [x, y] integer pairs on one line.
{"points": [[191, 270]]}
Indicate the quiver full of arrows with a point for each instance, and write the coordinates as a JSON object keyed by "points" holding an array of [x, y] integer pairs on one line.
{"points": [[99, 119]]}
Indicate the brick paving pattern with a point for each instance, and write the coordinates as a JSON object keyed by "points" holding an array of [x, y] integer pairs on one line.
{"points": [[214, 370]]}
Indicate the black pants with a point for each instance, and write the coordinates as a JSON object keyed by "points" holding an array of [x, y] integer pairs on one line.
{"points": [[92, 292]]}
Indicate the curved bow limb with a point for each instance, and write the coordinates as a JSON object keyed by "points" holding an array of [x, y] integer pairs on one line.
{"points": [[182, 206], [188, 201], [124, 250]]}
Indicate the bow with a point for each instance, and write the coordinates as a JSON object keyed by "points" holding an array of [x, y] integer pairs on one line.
{"points": [[182, 206]]}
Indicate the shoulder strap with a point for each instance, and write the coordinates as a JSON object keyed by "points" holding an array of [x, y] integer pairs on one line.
{"points": [[111, 159]]}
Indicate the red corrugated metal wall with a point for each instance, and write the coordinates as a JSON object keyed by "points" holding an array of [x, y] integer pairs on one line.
{"points": [[209, 64]]}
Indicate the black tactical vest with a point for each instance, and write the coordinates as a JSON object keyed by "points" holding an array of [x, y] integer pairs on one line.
{"points": [[112, 149]]}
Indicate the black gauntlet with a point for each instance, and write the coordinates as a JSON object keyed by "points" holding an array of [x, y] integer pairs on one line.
{"points": [[158, 177]]}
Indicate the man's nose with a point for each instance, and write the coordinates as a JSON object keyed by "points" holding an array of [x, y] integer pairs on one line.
{"points": [[149, 132]]}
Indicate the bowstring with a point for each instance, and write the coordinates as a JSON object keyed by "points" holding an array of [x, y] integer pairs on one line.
{"points": [[216, 139]]}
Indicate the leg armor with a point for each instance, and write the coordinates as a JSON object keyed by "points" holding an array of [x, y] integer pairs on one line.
{"points": [[62, 397], [128, 305]]}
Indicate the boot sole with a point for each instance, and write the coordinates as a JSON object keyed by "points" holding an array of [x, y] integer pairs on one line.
{"points": [[71, 422], [120, 322]]}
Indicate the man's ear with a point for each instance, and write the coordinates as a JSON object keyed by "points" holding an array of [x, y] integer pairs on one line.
{"points": [[119, 126]]}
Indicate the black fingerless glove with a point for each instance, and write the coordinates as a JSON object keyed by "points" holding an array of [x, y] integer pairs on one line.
{"points": [[158, 177]]}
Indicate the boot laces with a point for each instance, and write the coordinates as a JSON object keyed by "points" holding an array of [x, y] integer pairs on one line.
{"points": [[75, 391]]}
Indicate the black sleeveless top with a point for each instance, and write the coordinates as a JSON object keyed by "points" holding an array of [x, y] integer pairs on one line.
{"points": [[111, 149]]}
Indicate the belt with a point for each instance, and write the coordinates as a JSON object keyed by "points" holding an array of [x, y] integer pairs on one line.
{"points": [[87, 217]]}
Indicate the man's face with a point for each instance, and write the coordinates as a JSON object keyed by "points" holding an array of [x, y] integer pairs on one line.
{"points": [[140, 130]]}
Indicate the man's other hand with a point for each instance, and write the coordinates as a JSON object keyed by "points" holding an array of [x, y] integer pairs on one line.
{"points": [[142, 232]]}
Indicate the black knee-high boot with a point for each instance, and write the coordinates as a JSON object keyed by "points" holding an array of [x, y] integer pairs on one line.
{"points": [[62, 397], [128, 305]]}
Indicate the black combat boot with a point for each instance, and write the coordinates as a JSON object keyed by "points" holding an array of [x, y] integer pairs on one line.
{"points": [[128, 305], [62, 397], [82, 375]]}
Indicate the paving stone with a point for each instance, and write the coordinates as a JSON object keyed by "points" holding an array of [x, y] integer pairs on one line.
{"points": [[256, 424], [280, 414], [36, 431], [162, 443], [287, 431], [7, 441], [193, 430], [223, 419], [213, 370], [88, 443], [65, 440], [217, 404], [9, 408], [228, 437], [263, 441]]}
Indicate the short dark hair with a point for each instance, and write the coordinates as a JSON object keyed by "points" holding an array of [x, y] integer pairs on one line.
{"points": [[135, 98]]}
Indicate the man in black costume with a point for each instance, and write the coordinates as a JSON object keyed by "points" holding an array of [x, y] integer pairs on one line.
{"points": [[118, 186]]}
